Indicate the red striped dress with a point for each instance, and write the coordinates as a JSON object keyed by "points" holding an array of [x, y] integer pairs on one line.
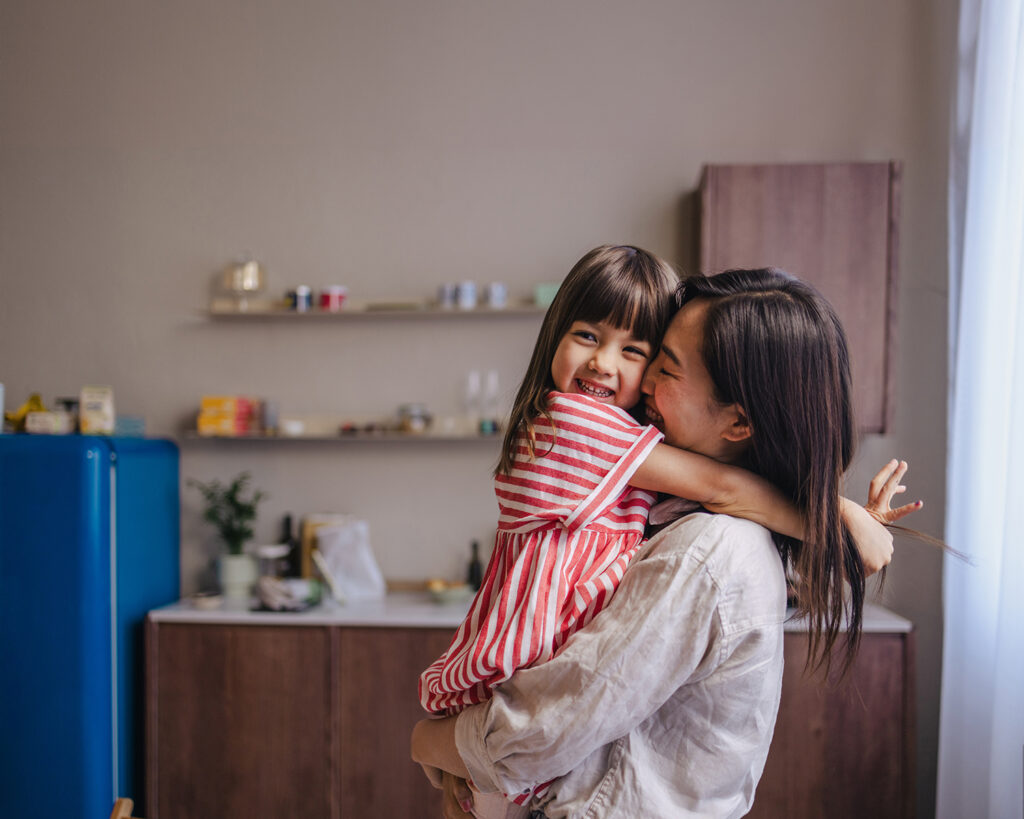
{"points": [[569, 524]]}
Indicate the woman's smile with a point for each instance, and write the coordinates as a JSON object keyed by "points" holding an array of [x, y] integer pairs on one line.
{"points": [[654, 416]]}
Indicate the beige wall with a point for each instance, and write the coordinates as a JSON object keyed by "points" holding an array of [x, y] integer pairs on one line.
{"points": [[391, 146]]}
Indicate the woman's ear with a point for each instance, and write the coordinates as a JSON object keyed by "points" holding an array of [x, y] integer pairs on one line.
{"points": [[738, 425]]}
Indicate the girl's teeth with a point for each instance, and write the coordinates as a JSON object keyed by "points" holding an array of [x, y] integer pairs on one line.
{"points": [[597, 392]]}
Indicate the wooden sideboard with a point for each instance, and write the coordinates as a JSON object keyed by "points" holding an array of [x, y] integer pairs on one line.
{"points": [[249, 719], [285, 721], [845, 750]]}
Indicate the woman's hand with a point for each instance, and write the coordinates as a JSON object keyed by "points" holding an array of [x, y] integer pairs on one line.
{"points": [[433, 746], [880, 493], [458, 798]]}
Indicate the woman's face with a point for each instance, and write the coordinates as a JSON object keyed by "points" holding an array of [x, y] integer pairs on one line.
{"points": [[679, 395]]}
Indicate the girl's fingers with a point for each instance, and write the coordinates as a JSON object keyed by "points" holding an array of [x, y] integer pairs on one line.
{"points": [[878, 482], [893, 472], [889, 488], [897, 475], [901, 512]]}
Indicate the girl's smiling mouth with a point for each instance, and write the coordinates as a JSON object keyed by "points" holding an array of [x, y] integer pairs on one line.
{"points": [[593, 390]]}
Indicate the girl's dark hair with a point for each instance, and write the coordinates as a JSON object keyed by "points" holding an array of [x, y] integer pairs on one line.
{"points": [[623, 285], [774, 345]]}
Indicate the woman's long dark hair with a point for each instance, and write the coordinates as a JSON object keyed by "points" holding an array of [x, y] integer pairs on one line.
{"points": [[626, 286], [774, 345]]}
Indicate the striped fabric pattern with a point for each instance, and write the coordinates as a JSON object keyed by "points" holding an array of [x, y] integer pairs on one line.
{"points": [[569, 524]]}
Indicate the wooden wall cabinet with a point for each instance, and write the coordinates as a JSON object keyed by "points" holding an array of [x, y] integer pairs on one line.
{"points": [[280, 721], [834, 225]]}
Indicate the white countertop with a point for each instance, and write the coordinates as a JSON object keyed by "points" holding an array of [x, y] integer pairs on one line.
{"points": [[876, 620], [415, 610], [397, 609]]}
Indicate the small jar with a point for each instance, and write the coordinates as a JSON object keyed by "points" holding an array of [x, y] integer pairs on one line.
{"points": [[303, 299], [497, 296], [446, 296], [465, 295], [413, 418], [332, 297]]}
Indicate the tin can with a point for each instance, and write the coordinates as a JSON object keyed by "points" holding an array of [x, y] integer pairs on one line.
{"points": [[446, 296], [303, 299], [497, 296], [332, 297], [465, 295]]}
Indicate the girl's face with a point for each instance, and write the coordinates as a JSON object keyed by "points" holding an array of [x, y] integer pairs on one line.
{"points": [[601, 361]]}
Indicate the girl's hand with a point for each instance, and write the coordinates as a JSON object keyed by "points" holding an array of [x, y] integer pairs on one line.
{"points": [[458, 798], [873, 540], [883, 486]]}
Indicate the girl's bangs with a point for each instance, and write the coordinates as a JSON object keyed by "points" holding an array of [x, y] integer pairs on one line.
{"points": [[627, 306]]}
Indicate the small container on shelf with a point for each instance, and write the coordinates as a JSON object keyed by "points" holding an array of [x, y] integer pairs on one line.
{"points": [[465, 295], [301, 298], [413, 419], [333, 297], [230, 415]]}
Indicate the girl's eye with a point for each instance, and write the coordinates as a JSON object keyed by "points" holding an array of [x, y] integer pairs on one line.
{"points": [[586, 335], [638, 351]]}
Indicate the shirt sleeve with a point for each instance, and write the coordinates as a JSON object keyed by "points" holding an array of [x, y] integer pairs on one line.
{"points": [[660, 631], [585, 457]]}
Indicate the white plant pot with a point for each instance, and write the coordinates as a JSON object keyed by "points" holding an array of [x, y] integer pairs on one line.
{"points": [[237, 575]]}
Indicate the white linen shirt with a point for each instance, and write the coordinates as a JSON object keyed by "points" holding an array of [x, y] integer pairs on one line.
{"points": [[665, 704]]}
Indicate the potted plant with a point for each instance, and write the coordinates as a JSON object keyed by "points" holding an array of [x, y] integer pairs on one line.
{"points": [[232, 513]]}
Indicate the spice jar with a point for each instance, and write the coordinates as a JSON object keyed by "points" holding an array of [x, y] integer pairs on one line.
{"points": [[413, 418]]}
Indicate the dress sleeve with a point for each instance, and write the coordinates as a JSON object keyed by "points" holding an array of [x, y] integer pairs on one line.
{"points": [[659, 632], [585, 457]]}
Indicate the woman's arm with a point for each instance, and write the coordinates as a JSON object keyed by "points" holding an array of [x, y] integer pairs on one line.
{"points": [[433, 745], [718, 487]]}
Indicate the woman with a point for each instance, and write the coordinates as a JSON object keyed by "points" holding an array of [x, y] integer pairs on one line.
{"points": [[665, 704]]}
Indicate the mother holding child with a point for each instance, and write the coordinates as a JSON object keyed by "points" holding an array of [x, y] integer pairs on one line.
{"points": [[665, 703]]}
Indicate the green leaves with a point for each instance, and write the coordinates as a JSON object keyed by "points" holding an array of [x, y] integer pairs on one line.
{"points": [[229, 510]]}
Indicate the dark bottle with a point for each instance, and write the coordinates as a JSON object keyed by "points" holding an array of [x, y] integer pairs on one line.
{"points": [[292, 560], [475, 574]]}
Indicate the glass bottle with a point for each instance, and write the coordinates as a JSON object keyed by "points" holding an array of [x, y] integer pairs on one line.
{"points": [[293, 560], [475, 573]]}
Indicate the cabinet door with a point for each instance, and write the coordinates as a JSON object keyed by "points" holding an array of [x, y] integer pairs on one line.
{"points": [[238, 722], [843, 750], [377, 691], [834, 225]]}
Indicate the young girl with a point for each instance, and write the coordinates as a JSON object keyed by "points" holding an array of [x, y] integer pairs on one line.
{"points": [[576, 478]]}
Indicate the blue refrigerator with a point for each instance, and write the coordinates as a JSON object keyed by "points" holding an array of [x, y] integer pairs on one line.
{"points": [[88, 545]]}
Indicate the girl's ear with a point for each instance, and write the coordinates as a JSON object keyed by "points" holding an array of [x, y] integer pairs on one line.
{"points": [[738, 425]]}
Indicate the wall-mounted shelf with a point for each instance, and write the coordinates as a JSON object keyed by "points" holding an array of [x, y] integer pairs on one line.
{"points": [[390, 310], [358, 438]]}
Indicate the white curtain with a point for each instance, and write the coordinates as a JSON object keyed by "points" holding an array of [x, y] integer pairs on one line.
{"points": [[981, 736]]}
